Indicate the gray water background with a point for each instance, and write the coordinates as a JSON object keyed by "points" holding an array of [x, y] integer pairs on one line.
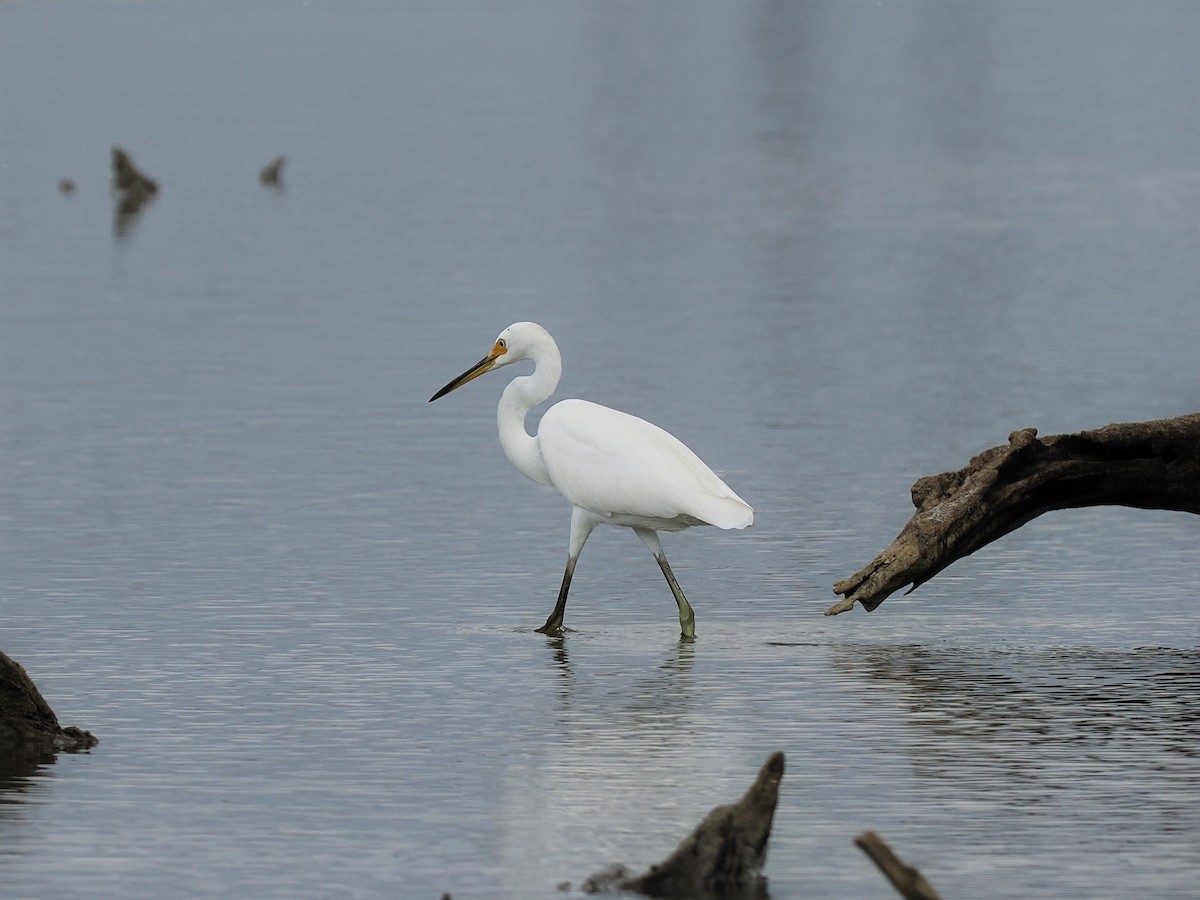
{"points": [[832, 246]]}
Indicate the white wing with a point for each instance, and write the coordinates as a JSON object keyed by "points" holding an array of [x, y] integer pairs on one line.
{"points": [[621, 466]]}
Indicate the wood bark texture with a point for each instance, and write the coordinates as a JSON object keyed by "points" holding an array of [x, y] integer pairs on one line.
{"points": [[908, 881], [1148, 465], [722, 857], [29, 730]]}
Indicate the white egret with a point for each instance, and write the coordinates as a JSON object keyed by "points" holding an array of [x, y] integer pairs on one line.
{"points": [[613, 468]]}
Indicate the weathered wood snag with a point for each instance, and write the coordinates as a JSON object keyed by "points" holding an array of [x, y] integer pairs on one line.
{"points": [[722, 857], [131, 188], [28, 726], [1148, 465], [908, 881], [272, 172]]}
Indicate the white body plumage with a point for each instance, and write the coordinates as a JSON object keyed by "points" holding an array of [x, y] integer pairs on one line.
{"points": [[631, 472]]}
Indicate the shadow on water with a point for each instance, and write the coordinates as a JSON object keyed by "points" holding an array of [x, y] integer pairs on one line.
{"points": [[20, 774], [1027, 724]]}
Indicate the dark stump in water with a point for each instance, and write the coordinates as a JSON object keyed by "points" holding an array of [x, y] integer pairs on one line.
{"points": [[29, 728], [272, 172], [132, 189], [722, 857]]}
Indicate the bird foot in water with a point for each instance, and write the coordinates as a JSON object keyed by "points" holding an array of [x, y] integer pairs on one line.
{"points": [[687, 624]]}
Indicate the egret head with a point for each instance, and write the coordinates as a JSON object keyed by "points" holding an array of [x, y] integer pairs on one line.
{"points": [[518, 341]]}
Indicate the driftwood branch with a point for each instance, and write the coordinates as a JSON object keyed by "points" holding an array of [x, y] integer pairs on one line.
{"points": [[1148, 465], [908, 882]]}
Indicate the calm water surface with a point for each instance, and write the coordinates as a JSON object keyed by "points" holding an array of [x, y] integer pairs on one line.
{"points": [[833, 247]]}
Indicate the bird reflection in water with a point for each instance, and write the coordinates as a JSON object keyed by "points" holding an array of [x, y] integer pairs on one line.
{"points": [[604, 702]]}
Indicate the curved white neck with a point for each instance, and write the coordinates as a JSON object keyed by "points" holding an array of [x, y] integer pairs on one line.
{"points": [[522, 394]]}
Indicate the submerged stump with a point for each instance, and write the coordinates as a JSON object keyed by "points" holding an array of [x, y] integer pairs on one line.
{"points": [[132, 189], [906, 879], [1148, 465], [272, 172], [723, 857], [29, 728]]}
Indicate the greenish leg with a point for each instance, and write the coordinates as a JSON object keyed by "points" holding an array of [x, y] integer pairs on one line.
{"points": [[687, 616]]}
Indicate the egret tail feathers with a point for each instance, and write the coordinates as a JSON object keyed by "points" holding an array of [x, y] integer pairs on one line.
{"points": [[727, 512]]}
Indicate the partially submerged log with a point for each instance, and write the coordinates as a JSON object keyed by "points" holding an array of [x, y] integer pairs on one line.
{"points": [[132, 189], [28, 727], [1148, 465], [272, 172], [908, 881], [722, 857]]}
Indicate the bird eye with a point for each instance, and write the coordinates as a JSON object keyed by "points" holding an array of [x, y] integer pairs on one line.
{"points": [[502, 344]]}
